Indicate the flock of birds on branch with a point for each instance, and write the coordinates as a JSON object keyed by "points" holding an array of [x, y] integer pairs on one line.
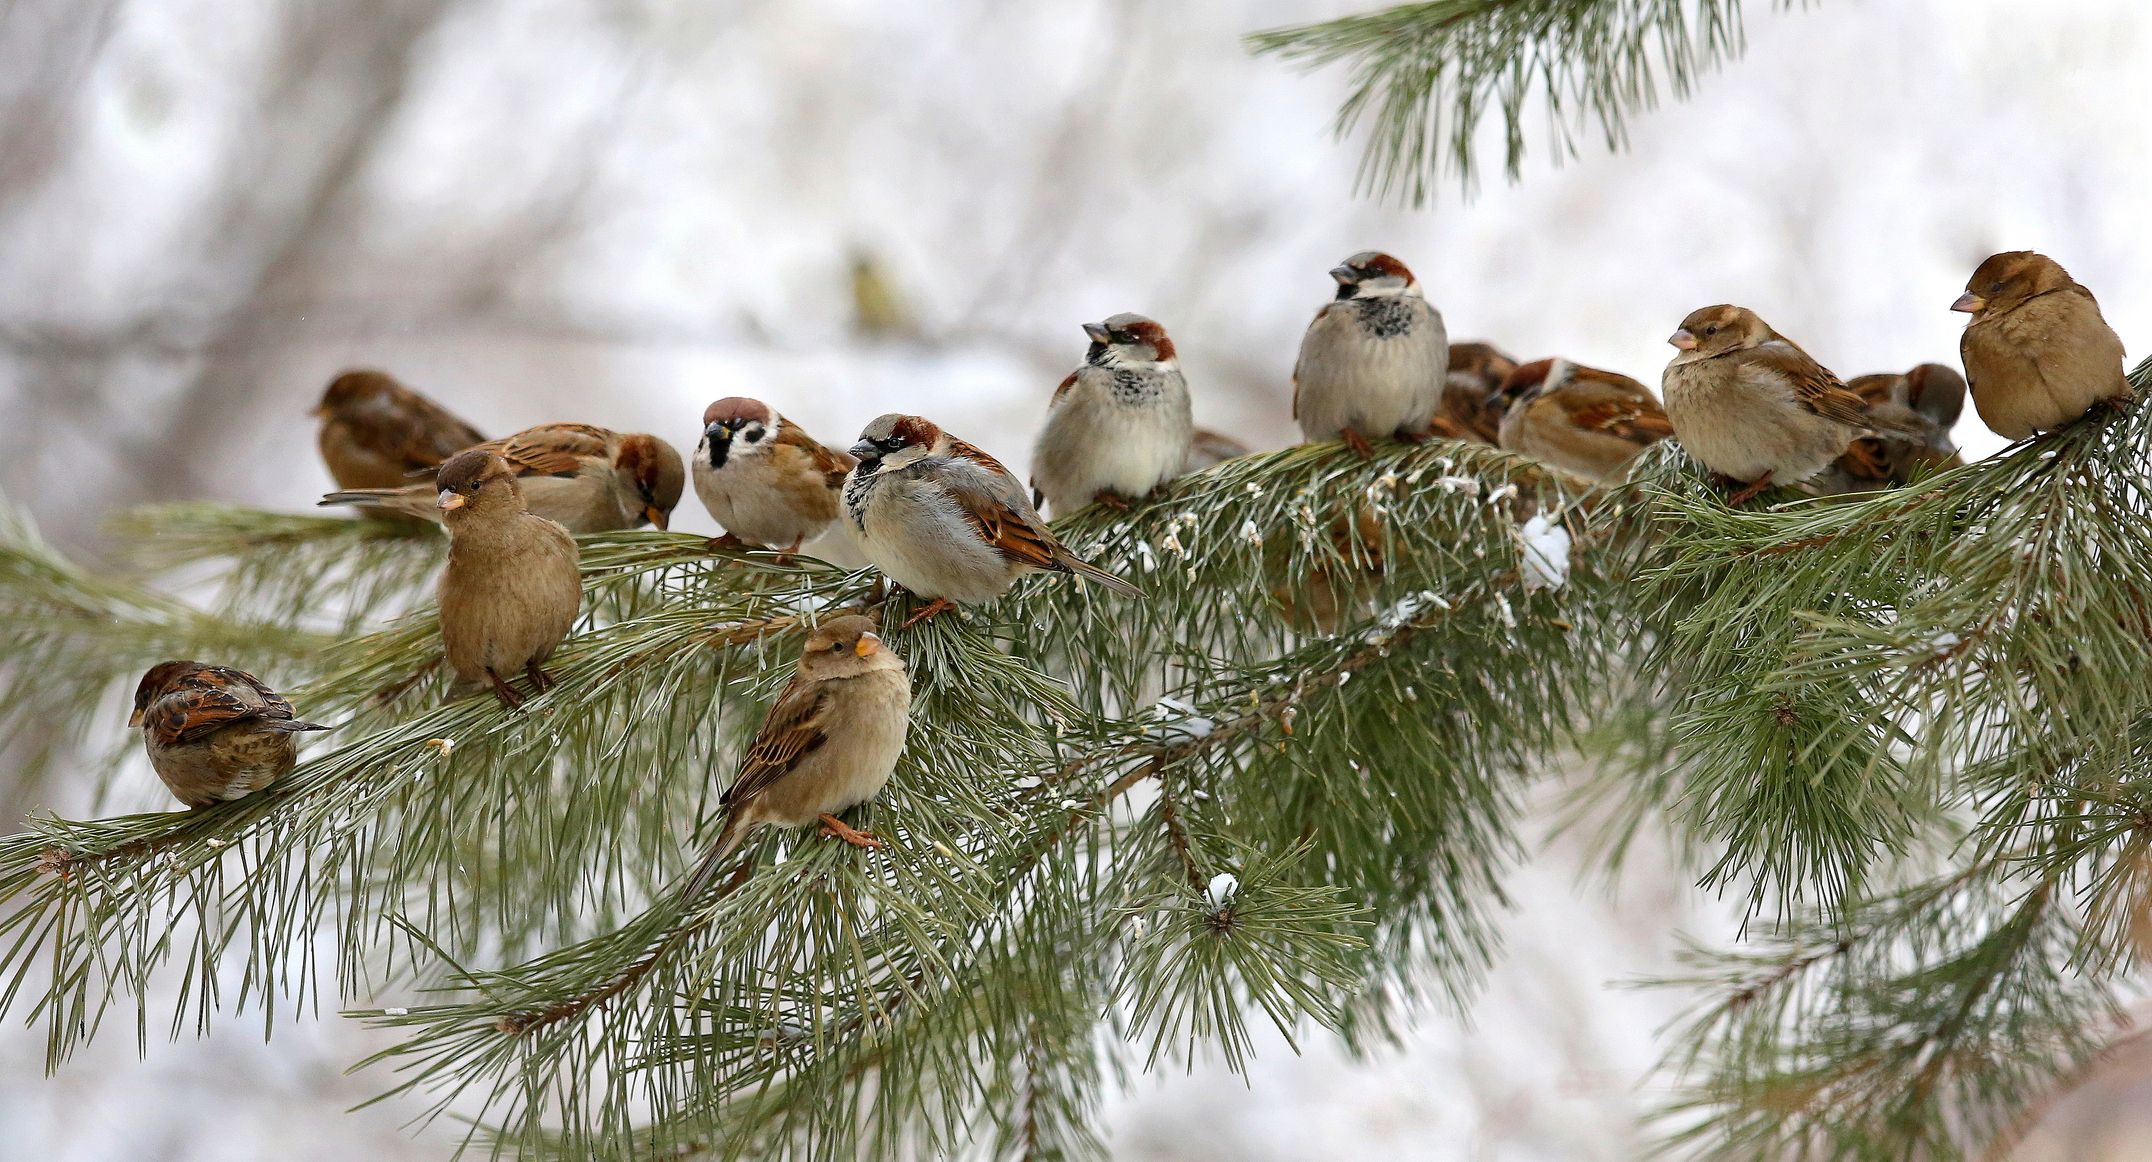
{"points": [[943, 519]]}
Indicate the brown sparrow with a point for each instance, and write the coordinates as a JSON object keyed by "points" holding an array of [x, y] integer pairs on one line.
{"points": [[2037, 352], [512, 588], [1373, 362], [827, 745], [764, 478], [1119, 426], [947, 521], [1582, 420], [587, 478], [1470, 408], [1749, 405], [375, 431], [1208, 449], [1932, 396], [214, 734]]}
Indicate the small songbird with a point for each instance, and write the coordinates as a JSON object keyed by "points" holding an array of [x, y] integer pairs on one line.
{"points": [[512, 588], [1119, 426], [1748, 404], [764, 478], [827, 745], [589, 479], [1208, 449], [1931, 396], [2037, 353], [1373, 362], [1582, 420], [375, 431], [214, 734], [1471, 409], [947, 521]]}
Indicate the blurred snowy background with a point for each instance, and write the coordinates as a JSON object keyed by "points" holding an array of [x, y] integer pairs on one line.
{"points": [[618, 210]]}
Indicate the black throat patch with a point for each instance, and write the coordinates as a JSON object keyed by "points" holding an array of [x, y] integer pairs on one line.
{"points": [[1387, 317]]}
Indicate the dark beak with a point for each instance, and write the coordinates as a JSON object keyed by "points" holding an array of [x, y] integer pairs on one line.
{"points": [[865, 451], [1097, 331], [1345, 275], [718, 431]]}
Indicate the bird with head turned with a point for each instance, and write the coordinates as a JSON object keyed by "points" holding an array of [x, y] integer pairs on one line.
{"points": [[1930, 396], [512, 586], [2038, 354], [764, 478], [213, 733], [1373, 363], [1582, 420], [586, 478], [1119, 426]]}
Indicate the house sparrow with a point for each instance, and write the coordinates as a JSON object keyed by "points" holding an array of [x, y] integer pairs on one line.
{"points": [[1930, 395], [826, 746], [1749, 405], [1470, 408], [1582, 420], [1208, 449], [587, 478], [764, 478], [511, 589], [375, 431], [1373, 362], [947, 521], [2037, 352], [1119, 426], [214, 734]]}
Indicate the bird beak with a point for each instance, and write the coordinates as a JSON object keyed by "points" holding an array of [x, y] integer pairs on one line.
{"points": [[655, 515], [865, 450], [718, 431], [320, 411], [449, 500], [868, 643], [1097, 331], [1345, 275], [135, 719], [1970, 303], [1683, 340]]}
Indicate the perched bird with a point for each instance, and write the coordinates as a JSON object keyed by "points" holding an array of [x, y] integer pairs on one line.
{"points": [[511, 589], [2037, 352], [1208, 449], [826, 746], [764, 478], [1749, 405], [1119, 426], [1930, 395], [587, 478], [1373, 362], [214, 734], [1470, 408], [1582, 420], [375, 432], [947, 521]]}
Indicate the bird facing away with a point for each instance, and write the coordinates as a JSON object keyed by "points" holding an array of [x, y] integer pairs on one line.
{"points": [[764, 478], [214, 734], [1120, 425], [1931, 395], [588, 479], [1582, 420], [375, 432], [2037, 353], [512, 588], [1373, 363]]}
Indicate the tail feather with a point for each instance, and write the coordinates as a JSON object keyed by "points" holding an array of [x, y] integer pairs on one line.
{"points": [[1091, 572], [1894, 421], [412, 502], [291, 725], [735, 832], [364, 497]]}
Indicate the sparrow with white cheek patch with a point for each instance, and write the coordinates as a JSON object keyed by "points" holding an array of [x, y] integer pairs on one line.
{"points": [[588, 479], [1931, 396], [947, 521], [214, 734], [1749, 405], [1373, 362], [512, 587], [375, 431], [1471, 410], [764, 478], [2038, 353], [827, 745], [1582, 420], [1119, 426], [1208, 449]]}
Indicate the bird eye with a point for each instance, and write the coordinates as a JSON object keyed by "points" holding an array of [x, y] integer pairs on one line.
{"points": [[1711, 330], [889, 443], [1995, 288], [753, 435]]}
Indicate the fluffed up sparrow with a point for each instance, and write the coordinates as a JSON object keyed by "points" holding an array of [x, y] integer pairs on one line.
{"points": [[1471, 409], [375, 432], [764, 478], [1931, 396], [1582, 420], [1208, 449], [1120, 425], [586, 478], [213, 733], [2037, 353], [947, 521], [512, 588], [1373, 362]]}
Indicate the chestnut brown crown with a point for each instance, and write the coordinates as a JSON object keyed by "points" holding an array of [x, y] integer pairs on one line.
{"points": [[737, 411], [2009, 278]]}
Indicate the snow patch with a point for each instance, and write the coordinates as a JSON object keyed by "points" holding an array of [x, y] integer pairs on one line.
{"points": [[1220, 894], [1546, 554]]}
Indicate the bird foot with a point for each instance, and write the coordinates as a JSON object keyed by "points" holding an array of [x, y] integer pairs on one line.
{"points": [[723, 544], [540, 680], [785, 554], [1408, 436], [1111, 500], [833, 826], [1358, 443], [510, 697], [931, 609], [1752, 491]]}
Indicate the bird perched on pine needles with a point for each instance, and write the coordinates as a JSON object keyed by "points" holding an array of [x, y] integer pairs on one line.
{"points": [[1931, 396], [512, 587], [764, 478], [2038, 354], [1120, 425], [1372, 364], [1471, 406], [586, 478], [214, 734], [1584, 421]]}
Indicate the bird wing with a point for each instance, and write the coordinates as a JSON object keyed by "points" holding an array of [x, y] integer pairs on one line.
{"points": [[213, 698], [993, 503], [793, 729], [1063, 390], [408, 428], [552, 449], [1616, 407], [1814, 387]]}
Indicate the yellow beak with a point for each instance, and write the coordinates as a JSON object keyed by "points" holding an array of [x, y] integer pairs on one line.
{"points": [[135, 719], [1970, 303], [450, 500], [1683, 340], [654, 515], [868, 643]]}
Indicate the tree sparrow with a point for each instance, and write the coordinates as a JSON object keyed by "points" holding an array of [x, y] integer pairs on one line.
{"points": [[1470, 406], [214, 734], [1582, 420], [375, 431], [512, 588], [947, 521], [1749, 405], [827, 745], [587, 478], [1373, 362], [1932, 396], [1208, 449], [1119, 426], [2037, 352], [765, 479]]}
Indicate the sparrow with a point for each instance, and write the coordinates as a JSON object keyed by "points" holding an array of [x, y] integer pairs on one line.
{"points": [[1373, 362], [2037, 352], [1748, 404], [1582, 420], [1208, 449], [1470, 409], [1930, 395], [1119, 426], [587, 478], [512, 588], [213, 733], [947, 521], [375, 431], [827, 745], [764, 478]]}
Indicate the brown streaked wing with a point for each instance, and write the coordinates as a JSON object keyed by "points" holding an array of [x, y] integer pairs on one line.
{"points": [[792, 729]]}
